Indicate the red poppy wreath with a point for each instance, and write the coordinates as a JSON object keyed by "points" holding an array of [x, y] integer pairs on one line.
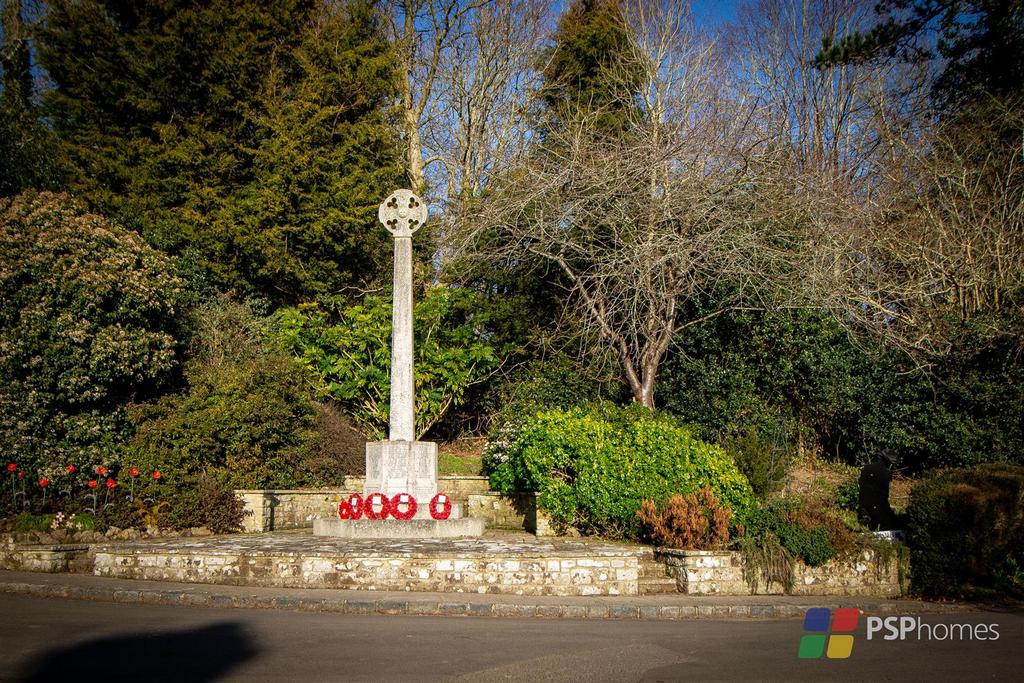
{"points": [[440, 506], [400, 499]]}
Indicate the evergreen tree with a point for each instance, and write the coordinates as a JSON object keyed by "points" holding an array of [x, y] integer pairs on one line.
{"points": [[981, 43], [173, 114], [588, 70], [306, 222], [27, 147]]}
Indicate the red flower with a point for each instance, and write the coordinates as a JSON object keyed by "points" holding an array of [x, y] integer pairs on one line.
{"points": [[11, 467], [44, 482], [157, 475], [92, 483], [134, 471], [70, 469], [101, 470], [21, 474], [111, 483]]}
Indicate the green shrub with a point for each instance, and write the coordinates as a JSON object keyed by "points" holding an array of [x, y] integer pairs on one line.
{"points": [[556, 381], [88, 321], [965, 528], [245, 420], [208, 503], [763, 461], [809, 530], [592, 467], [349, 351], [848, 494], [247, 413], [120, 513], [813, 545]]}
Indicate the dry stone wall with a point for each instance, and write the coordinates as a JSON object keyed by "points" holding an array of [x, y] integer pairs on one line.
{"points": [[708, 572], [559, 568]]}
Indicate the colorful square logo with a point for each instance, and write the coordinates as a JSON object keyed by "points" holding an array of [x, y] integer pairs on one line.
{"points": [[828, 633]]}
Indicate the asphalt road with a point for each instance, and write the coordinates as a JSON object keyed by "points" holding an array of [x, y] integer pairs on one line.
{"points": [[66, 640]]}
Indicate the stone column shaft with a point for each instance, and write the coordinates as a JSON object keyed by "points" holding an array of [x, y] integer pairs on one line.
{"points": [[403, 409]]}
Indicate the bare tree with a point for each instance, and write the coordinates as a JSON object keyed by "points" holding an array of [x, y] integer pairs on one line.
{"points": [[827, 119], [465, 70], [479, 118], [642, 223], [943, 238], [423, 32]]}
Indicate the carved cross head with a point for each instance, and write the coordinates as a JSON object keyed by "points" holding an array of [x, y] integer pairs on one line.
{"points": [[402, 213]]}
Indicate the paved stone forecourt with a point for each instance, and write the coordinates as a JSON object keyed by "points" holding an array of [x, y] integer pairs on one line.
{"points": [[483, 566], [661, 607]]}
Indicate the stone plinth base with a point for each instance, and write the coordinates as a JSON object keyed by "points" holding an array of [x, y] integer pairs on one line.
{"points": [[394, 528], [402, 467]]}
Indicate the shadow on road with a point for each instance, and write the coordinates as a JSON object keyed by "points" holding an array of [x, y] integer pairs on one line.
{"points": [[201, 654]]}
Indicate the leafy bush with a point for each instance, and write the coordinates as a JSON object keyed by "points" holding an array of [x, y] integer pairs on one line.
{"points": [[764, 462], [592, 467], [808, 530], [246, 417], [120, 513], [350, 352], [88, 320], [965, 528], [748, 372], [848, 494], [788, 530], [691, 522], [963, 412], [556, 381], [341, 448], [849, 397], [208, 503]]}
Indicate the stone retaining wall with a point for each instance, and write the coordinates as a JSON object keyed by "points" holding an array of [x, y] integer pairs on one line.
{"points": [[570, 573], [49, 559], [270, 510], [708, 572]]}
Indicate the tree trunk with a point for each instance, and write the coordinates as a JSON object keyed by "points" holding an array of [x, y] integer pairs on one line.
{"points": [[414, 153]]}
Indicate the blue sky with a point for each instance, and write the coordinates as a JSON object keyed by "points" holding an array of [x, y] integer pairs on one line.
{"points": [[713, 13]]}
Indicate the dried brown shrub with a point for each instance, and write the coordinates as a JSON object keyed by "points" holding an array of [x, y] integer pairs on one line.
{"points": [[692, 522]]}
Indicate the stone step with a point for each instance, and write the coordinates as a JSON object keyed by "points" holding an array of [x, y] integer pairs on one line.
{"points": [[652, 569], [657, 586], [654, 578]]}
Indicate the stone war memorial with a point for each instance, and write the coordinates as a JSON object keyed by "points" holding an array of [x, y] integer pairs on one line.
{"points": [[401, 497]]}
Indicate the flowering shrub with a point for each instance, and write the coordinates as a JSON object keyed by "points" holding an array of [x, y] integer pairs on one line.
{"points": [[60, 522], [592, 467], [87, 323]]}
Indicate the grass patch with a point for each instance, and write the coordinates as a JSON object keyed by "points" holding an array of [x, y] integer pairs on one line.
{"points": [[469, 465], [26, 522]]}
